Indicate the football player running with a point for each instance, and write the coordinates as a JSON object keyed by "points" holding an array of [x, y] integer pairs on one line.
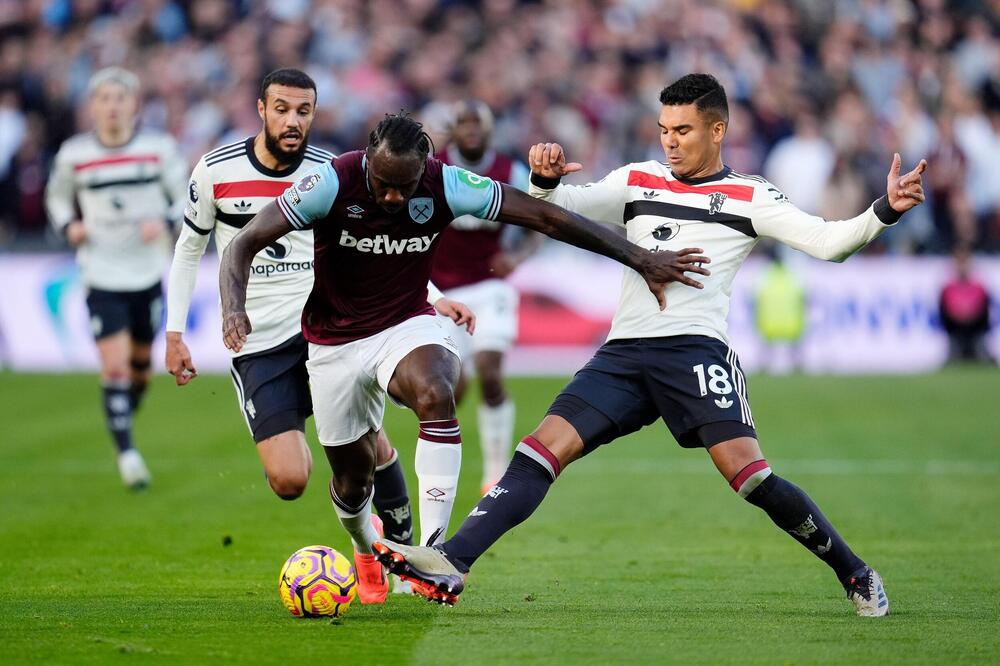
{"points": [[228, 187], [128, 186], [675, 364]]}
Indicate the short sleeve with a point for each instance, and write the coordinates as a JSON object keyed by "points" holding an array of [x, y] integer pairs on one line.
{"points": [[311, 198], [470, 194], [199, 207]]}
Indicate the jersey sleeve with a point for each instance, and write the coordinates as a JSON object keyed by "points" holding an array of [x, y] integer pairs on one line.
{"points": [[311, 198], [603, 201], [199, 201], [519, 174], [471, 194], [60, 192], [199, 209], [174, 181], [774, 216]]}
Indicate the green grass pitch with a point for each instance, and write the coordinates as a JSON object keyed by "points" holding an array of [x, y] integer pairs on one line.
{"points": [[640, 554]]}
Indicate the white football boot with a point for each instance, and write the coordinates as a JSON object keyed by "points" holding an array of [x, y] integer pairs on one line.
{"points": [[133, 469], [868, 594]]}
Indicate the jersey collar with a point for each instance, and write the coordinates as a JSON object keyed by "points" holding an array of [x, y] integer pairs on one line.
{"points": [[719, 175], [273, 173]]}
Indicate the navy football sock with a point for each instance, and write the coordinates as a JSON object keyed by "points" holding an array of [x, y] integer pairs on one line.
{"points": [[118, 413], [792, 510], [515, 497], [392, 502]]}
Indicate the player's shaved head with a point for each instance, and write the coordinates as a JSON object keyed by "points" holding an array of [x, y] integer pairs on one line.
{"points": [[471, 127]]}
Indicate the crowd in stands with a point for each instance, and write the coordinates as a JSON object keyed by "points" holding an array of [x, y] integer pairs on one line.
{"points": [[821, 93]]}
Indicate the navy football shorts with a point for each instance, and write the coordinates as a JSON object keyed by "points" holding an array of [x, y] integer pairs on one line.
{"points": [[693, 382], [138, 312], [273, 388]]}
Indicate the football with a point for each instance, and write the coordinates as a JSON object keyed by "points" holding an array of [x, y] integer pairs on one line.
{"points": [[317, 581]]}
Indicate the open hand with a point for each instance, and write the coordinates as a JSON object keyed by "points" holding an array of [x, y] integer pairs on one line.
{"points": [[457, 312], [905, 191], [235, 329], [665, 266], [549, 161]]}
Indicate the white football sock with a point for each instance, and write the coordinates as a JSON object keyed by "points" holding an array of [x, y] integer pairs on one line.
{"points": [[496, 430], [357, 522], [437, 464]]}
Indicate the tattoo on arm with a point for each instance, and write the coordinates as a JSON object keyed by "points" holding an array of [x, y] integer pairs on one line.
{"points": [[266, 227]]}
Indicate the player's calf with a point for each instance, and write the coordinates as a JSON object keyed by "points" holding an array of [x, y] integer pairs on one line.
{"points": [[791, 509]]}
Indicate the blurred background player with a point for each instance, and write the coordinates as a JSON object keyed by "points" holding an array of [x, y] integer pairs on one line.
{"points": [[470, 266], [228, 187], [965, 312], [114, 194]]}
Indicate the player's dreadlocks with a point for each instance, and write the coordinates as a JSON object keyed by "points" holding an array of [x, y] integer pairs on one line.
{"points": [[400, 134]]}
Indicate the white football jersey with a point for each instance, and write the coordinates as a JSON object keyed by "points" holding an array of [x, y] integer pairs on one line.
{"points": [[724, 215], [228, 187], [112, 190]]}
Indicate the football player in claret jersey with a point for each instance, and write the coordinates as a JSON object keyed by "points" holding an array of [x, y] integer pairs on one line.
{"points": [[470, 265], [128, 186], [377, 216], [673, 364], [228, 187]]}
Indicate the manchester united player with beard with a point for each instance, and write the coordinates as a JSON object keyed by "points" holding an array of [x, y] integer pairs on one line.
{"points": [[377, 215]]}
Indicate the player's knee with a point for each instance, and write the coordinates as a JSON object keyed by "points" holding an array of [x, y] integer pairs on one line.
{"points": [[117, 373], [288, 486], [435, 399], [493, 390], [353, 489]]}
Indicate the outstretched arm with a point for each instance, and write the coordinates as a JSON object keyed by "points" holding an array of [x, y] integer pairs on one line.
{"points": [[657, 268], [266, 227], [835, 240]]}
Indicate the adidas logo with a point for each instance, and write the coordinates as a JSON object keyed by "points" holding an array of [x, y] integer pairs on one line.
{"points": [[475, 513], [723, 403], [242, 206], [649, 194]]}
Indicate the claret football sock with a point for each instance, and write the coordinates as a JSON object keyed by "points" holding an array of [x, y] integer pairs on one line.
{"points": [[357, 521], [118, 413], [507, 504], [437, 464], [793, 511], [392, 501]]}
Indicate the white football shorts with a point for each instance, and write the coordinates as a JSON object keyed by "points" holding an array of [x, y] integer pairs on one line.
{"points": [[494, 303], [349, 382]]}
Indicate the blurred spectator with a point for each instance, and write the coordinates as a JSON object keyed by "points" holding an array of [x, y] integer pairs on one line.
{"points": [[780, 314], [878, 76], [965, 313]]}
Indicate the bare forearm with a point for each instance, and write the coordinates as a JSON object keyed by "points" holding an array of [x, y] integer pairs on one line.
{"points": [[266, 227], [563, 225], [234, 274]]}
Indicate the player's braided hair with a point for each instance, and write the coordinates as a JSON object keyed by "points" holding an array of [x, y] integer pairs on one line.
{"points": [[702, 90], [400, 134]]}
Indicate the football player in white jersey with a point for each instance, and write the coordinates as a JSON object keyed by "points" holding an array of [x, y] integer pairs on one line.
{"points": [[128, 186], [228, 187], [673, 364]]}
